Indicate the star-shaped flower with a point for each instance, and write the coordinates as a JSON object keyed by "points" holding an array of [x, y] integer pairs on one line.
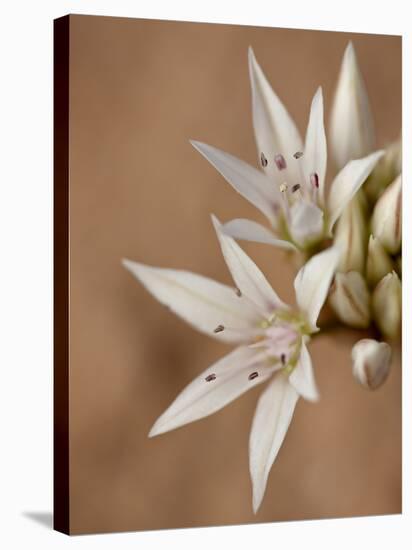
{"points": [[271, 340], [290, 187]]}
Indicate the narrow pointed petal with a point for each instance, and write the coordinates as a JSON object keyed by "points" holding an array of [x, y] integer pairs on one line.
{"points": [[275, 130], [217, 386], [252, 184], [246, 274], [315, 156], [306, 223], [252, 231], [351, 130], [302, 377], [313, 281], [272, 418], [201, 302], [347, 183]]}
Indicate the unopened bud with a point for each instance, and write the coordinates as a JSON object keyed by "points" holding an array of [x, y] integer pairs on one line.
{"points": [[379, 263], [351, 237], [386, 170], [349, 297], [387, 305], [386, 217], [371, 362]]}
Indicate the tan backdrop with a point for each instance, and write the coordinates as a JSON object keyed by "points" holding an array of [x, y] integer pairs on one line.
{"points": [[139, 90]]}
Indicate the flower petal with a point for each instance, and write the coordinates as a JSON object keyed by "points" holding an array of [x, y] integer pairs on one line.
{"points": [[200, 301], [252, 231], [302, 377], [275, 130], [313, 281], [247, 276], [217, 386], [252, 184], [315, 156], [306, 222], [272, 418], [351, 130], [347, 183]]}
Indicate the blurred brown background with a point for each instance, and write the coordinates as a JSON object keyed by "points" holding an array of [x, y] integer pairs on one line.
{"points": [[139, 90]]}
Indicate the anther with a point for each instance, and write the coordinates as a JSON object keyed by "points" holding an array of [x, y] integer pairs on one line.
{"points": [[314, 180], [263, 160], [283, 187], [253, 375], [283, 359], [280, 162], [238, 292], [219, 328], [210, 377], [295, 188], [298, 154]]}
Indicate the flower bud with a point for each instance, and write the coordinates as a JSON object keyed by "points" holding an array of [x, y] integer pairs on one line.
{"points": [[387, 305], [379, 262], [351, 237], [386, 217], [351, 124], [386, 170], [349, 297], [371, 362]]}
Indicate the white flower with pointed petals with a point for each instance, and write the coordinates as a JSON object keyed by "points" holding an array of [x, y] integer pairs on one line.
{"points": [[272, 344], [290, 187]]}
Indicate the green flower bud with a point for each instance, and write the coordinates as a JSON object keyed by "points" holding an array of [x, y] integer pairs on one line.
{"points": [[378, 263]]}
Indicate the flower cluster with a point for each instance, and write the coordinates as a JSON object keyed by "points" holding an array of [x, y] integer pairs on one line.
{"points": [[347, 236]]}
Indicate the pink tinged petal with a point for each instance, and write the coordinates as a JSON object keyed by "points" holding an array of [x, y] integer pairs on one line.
{"points": [[252, 184], [221, 383], [275, 131], [272, 418], [247, 276], [305, 222], [313, 281], [315, 157], [202, 302], [347, 183], [252, 231], [351, 129], [302, 377]]}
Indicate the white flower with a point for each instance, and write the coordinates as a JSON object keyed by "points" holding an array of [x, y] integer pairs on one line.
{"points": [[371, 362], [271, 337], [290, 188], [351, 129]]}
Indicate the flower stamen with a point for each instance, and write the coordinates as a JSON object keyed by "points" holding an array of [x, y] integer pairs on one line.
{"points": [[219, 328], [253, 375], [280, 162], [263, 160], [210, 377]]}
